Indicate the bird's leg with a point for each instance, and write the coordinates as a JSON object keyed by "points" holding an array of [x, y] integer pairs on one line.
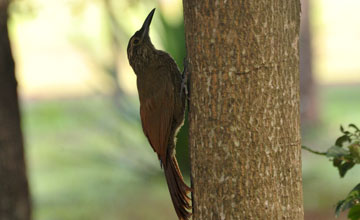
{"points": [[184, 81]]}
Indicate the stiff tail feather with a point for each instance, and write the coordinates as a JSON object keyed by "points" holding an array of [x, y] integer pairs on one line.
{"points": [[178, 188]]}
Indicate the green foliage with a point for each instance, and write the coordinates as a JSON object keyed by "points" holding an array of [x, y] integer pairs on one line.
{"points": [[345, 154], [352, 201], [354, 212], [345, 157]]}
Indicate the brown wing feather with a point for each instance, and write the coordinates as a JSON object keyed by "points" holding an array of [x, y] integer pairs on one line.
{"points": [[156, 113]]}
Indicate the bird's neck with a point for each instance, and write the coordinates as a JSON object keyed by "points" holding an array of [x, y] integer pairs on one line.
{"points": [[147, 57]]}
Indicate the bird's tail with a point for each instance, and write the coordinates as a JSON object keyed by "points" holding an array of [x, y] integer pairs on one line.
{"points": [[178, 188]]}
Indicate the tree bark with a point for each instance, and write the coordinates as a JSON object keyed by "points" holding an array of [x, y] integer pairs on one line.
{"points": [[244, 132], [14, 193]]}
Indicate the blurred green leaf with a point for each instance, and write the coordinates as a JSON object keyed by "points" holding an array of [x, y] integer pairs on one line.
{"points": [[339, 207], [341, 129], [342, 139], [354, 213], [354, 126], [344, 167], [350, 202], [345, 158], [355, 152], [336, 151], [341, 159]]}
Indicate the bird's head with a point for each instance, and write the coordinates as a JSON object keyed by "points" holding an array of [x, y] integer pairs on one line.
{"points": [[140, 47]]}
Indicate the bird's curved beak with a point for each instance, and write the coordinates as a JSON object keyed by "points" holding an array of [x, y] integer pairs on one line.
{"points": [[146, 26]]}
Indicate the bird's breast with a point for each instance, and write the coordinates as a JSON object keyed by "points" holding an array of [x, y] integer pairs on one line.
{"points": [[150, 84]]}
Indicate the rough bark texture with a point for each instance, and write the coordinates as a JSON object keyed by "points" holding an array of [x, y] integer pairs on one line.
{"points": [[14, 193], [244, 108]]}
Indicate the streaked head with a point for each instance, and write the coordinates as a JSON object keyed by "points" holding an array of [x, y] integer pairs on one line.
{"points": [[140, 41]]}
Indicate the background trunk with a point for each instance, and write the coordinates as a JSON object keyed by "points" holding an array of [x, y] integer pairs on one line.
{"points": [[308, 104], [244, 108], [14, 193]]}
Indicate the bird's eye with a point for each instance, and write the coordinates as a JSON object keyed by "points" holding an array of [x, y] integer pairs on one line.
{"points": [[136, 41]]}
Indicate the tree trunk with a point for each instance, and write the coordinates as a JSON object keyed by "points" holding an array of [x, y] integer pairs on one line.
{"points": [[244, 118], [308, 104], [14, 193]]}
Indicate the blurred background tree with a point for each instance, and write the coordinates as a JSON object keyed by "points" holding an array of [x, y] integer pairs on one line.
{"points": [[86, 153], [308, 107], [14, 188]]}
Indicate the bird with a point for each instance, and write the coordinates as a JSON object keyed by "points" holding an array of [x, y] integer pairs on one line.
{"points": [[162, 108]]}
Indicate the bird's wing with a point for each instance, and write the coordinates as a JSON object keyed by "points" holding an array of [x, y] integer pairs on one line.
{"points": [[156, 111]]}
